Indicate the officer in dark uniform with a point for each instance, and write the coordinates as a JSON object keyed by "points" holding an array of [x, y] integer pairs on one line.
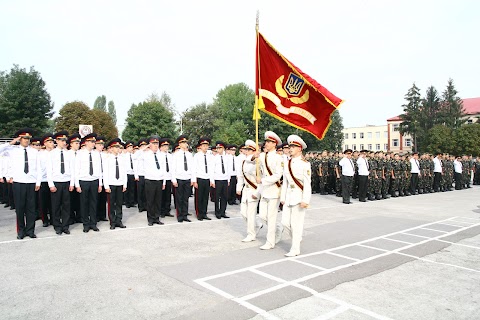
{"points": [[102, 196], [73, 143]]}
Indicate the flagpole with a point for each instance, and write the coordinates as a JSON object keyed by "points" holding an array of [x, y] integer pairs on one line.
{"points": [[257, 99]]}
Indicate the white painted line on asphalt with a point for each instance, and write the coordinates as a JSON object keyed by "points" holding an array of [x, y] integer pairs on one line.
{"points": [[416, 235], [459, 244], [399, 241], [342, 256], [265, 291], [268, 276], [440, 263], [451, 224], [307, 264], [333, 313], [431, 229], [477, 219]]}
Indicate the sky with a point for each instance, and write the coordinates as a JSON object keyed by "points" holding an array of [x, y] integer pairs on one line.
{"points": [[368, 53]]}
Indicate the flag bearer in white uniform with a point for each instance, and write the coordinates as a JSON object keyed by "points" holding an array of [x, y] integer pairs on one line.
{"points": [[296, 192]]}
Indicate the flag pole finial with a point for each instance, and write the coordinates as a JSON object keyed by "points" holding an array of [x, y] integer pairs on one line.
{"points": [[257, 21]]}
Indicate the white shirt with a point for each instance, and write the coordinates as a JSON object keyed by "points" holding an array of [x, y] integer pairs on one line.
{"points": [[415, 166], [54, 167], [110, 171], [167, 157], [152, 172], [17, 162], [458, 166], [347, 167], [129, 163], [179, 171], [218, 172], [363, 167], [234, 170], [43, 154], [138, 166], [200, 171], [82, 167], [437, 165]]}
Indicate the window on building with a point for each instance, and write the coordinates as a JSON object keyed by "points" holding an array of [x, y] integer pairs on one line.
{"points": [[361, 147], [408, 142], [469, 121], [354, 135], [395, 142], [346, 147], [361, 135], [385, 146], [369, 147], [377, 146], [396, 127], [385, 134], [346, 136], [354, 147], [369, 135], [377, 134]]}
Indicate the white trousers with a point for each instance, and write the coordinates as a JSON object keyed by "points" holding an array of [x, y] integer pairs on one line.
{"points": [[248, 210], [268, 213], [293, 218]]}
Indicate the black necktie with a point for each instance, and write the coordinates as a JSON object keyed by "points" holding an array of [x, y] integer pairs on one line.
{"points": [[117, 169], [62, 163], [206, 167], [91, 165], [166, 161], [25, 168], [185, 166], [156, 161], [223, 167], [101, 162], [233, 163], [366, 161], [131, 162]]}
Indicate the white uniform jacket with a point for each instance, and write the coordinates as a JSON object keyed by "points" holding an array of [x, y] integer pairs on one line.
{"points": [[292, 194]]}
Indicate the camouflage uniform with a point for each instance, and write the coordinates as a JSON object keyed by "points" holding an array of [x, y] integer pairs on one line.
{"points": [[408, 177], [379, 179], [476, 169], [323, 175], [314, 162], [372, 164], [331, 175], [338, 181], [387, 169], [448, 174], [397, 177]]}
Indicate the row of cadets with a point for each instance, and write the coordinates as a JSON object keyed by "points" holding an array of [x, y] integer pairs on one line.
{"points": [[60, 175], [249, 190], [26, 174], [73, 143], [102, 196], [88, 182], [115, 182], [271, 168], [167, 191], [296, 192], [221, 175], [154, 180], [182, 178], [130, 193], [232, 195], [202, 177], [139, 170]]}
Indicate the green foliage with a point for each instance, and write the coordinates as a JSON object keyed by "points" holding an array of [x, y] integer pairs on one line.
{"points": [[24, 101], [451, 107], [467, 139], [440, 139], [148, 118], [100, 103], [75, 113], [112, 112], [198, 121]]}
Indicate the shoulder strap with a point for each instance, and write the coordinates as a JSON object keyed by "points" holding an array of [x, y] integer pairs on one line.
{"points": [[270, 171], [293, 177], [254, 186]]}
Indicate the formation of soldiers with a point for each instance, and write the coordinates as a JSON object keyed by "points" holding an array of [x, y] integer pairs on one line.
{"points": [[390, 174], [64, 179]]}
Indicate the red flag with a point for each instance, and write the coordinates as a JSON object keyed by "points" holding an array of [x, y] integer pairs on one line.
{"points": [[290, 95]]}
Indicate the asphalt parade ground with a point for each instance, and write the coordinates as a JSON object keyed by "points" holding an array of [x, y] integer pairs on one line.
{"points": [[415, 257]]}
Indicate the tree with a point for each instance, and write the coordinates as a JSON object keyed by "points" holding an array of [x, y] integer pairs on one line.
{"points": [[440, 139], [100, 103], [452, 112], [148, 118], [429, 115], [72, 114], [112, 112], [24, 101], [199, 121], [103, 124], [411, 113], [466, 139]]}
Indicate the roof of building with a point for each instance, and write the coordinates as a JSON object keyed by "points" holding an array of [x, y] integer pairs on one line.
{"points": [[470, 106]]}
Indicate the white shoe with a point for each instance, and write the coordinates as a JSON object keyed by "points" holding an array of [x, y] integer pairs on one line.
{"points": [[266, 247], [278, 234], [248, 239], [291, 254]]}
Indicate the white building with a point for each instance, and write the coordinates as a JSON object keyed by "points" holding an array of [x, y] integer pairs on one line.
{"points": [[373, 138]]}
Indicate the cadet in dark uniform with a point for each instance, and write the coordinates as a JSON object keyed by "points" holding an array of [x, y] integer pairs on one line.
{"points": [[202, 177], [73, 143], [167, 160], [130, 193], [154, 175], [102, 196], [182, 178]]}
